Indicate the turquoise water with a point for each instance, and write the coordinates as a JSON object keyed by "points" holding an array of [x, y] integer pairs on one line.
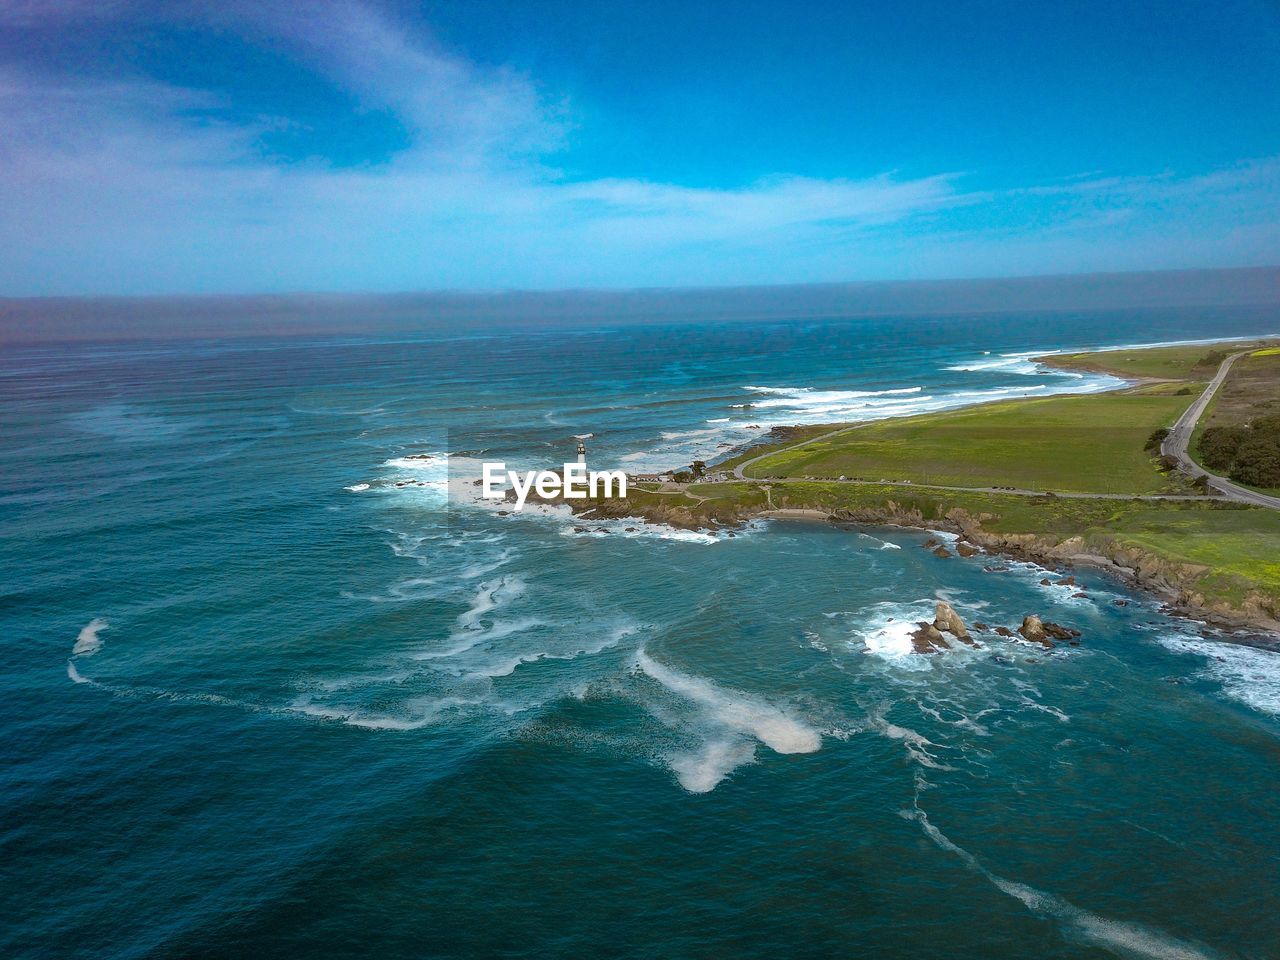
{"points": [[258, 700]]}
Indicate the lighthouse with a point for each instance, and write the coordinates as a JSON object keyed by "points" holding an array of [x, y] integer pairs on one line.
{"points": [[582, 452]]}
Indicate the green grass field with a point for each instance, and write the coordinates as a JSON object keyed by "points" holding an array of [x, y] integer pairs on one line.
{"points": [[1078, 444], [1069, 444], [1172, 363]]}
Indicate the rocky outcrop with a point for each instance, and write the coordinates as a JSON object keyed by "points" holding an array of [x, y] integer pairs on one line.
{"points": [[1033, 629], [1177, 582], [928, 639], [947, 620], [967, 549]]}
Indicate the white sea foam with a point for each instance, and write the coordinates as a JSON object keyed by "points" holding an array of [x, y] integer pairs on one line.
{"points": [[475, 626], [74, 674], [357, 487], [87, 642], [508, 665], [1117, 936], [775, 728], [1005, 363], [886, 632], [1247, 674], [488, 597], [702, 769], [634, 528], [421, 712], [917, 745]]}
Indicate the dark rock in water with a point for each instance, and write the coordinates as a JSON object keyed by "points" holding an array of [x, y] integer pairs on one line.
{"points": [[1058, 631], [1120, 603], [504, 513], [980, 626], [1079, 595], [967, 549], [995, 569], [731, 534], [946, 620], [1033, 630], [629, 530], [1004, 632], [603, 530], [929, 544], [1046, 582], [928, 639], [579, 529], [941, 551], [1067, 581]]}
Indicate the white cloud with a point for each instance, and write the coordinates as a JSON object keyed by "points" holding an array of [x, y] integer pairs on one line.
{"points": [[129, 186]]}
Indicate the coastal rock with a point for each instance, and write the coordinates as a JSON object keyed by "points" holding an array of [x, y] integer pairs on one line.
{"points": [[1004, 632], [967, 549], [1067, 581], [1032, 629], [1059, 632], [947, 620], [941, 551], [1120, 603], [980, 626], [928, 639]]}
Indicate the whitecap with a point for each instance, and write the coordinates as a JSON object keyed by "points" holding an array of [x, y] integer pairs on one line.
{"points": [[87, 641], [702, 769], [775, 728], [1248, 675], [357, 487]]}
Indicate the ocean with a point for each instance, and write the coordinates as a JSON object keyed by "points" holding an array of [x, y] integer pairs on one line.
{"points": [[271, 690]]}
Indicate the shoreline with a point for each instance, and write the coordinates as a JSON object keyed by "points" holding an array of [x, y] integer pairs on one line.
{"points": [[1171, 580]]}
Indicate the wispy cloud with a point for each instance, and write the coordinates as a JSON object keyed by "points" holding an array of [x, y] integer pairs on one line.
{"points": [[131, 185]]}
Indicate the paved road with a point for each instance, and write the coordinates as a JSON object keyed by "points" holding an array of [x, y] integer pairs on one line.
{"points": [[1179, 439], [1175, 445]]}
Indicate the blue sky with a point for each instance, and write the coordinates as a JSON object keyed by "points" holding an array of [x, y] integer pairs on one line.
{"points": [[176, 147]]}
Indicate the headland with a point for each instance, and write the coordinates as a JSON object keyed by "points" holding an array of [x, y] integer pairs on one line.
{"points": [[1066, 480]]}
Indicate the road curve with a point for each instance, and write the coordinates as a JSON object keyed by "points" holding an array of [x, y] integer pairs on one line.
{"points": [[1179, 439]]}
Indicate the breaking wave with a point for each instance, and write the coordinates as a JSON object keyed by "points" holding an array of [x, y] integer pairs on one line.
{"points": [[87, 641], [725, 719]]}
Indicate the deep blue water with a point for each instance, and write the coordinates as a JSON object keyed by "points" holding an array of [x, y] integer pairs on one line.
{"points": [[260, 701]]}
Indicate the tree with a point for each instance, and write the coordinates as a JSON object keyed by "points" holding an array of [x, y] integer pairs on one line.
{"points": [[1257, 463], [698, 467], [1157, 437], [1266, 427], [1218, 446]]}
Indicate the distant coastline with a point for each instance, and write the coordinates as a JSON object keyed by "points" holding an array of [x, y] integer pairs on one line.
{"points": [[1054, 528]]}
